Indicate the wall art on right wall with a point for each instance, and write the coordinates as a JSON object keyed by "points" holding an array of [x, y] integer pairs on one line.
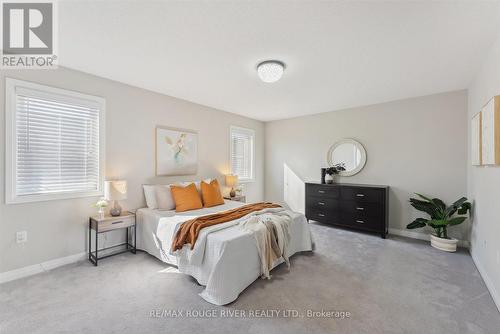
{"points": [[490, 132]]}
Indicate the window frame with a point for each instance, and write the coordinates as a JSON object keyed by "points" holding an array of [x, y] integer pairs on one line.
{"points": [[252, 162], [11, 141]]}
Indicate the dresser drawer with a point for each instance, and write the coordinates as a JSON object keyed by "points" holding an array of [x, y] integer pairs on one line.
{"points": [[363, 209], [358, 221], [323, 216], [322, 191], [361, 194], [322, 203]]}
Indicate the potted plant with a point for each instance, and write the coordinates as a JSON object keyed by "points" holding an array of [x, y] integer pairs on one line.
{"points": [[101, 204], [330, 172], [441, 216]]}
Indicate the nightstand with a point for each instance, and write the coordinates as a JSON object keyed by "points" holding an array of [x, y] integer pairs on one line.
{"points": [[237, 198], [125, 221]]}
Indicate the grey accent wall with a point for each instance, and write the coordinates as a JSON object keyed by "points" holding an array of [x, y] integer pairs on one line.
{"points": [[484, 182], [58, 228], [412, 145]]}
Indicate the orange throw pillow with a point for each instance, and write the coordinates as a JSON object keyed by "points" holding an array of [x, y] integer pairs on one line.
{"points": [[211, 194], [186, 198]]}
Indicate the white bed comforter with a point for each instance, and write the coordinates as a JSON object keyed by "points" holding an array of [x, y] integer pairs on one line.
{"points": [[225, 258]]}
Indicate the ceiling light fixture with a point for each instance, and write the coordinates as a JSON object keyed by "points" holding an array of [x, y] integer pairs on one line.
{"points": [[270, 70]]}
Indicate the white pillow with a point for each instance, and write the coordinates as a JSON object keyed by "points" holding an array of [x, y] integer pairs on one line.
{"points": [[164, 197], [150, 194]]}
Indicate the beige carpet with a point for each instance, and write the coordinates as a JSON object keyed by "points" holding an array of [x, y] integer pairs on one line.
{"points": [[395, 285]]}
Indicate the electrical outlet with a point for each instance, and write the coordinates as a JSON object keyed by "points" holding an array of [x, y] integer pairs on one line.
{"points": [[21, 237]]}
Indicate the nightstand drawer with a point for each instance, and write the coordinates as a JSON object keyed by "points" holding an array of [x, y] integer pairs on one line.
{"points": [[113, 223]]}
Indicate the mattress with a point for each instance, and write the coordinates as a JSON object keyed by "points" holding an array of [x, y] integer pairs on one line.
{"points": [[156, 238], [218, 265]]}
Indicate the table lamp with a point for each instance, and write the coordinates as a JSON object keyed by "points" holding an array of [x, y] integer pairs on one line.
{"points": [[115, 191], [232, 181]]}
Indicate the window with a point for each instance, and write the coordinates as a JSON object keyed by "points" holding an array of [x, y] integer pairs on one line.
{"points": [[54, 143], [242, 148]]}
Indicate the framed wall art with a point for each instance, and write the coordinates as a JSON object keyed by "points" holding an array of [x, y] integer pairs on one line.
{"points": [[176, 151]]}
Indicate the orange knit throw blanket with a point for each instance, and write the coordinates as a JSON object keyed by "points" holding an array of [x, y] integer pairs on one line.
{"points": [[189, 230]]}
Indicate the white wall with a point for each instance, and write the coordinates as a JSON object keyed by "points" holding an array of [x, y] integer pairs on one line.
{"points": [[58, 228], [413, 145], [484, 182]]}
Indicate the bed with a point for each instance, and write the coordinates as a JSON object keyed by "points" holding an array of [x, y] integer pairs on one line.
{"points": [[216, 261]]}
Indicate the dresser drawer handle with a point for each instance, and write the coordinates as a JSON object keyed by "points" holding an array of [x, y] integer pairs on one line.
{"points": [[321, 191], [360, 221], [321, 203], [321, 215], [118, 222], [360, 208], [360, 195]]}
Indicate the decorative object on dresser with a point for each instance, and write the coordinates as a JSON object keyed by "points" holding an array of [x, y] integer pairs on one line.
{"points": [[357, 206], [232, 181], [328, 176], [348, 152], [237, 198], [441, 216], [115, 191], [176, 151], [100, 225]]}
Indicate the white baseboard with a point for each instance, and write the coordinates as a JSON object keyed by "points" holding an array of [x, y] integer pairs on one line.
{"points": [[40, 267], [493, 292], [421, 236]]}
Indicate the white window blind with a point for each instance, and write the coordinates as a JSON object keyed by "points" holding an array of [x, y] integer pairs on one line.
{"points": [[56, 143], [242, 153]]}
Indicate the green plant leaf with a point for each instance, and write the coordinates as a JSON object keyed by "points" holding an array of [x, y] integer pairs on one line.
{"points": [[428, 207], [460, 201], [466, 207], [439, 203], [424, 197], [417, 223], [441, 207], [437, 223], [456, 220], [450, 211]]}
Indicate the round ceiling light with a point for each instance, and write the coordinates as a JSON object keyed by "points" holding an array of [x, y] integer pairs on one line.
{"points": [[270, 70]]}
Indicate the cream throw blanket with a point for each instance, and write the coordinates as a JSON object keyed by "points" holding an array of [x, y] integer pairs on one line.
{"points": [[272, 236]]}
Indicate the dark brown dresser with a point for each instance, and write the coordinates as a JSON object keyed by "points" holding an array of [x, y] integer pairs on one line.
{"points": [[358, 206]]}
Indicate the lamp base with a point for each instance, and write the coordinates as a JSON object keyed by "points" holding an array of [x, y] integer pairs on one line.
{"points": [[116, 210], [232, 193]]}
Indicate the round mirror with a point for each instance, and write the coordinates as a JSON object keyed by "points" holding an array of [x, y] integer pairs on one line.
{"points": [[348, 152]]}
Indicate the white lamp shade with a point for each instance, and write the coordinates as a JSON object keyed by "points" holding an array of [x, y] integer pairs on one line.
{"points": [[115, 190], [231, 180]]}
